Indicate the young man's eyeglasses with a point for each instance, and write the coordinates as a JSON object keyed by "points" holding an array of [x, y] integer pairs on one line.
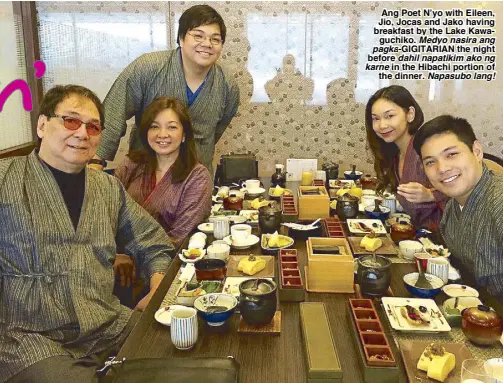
{"points": [[73, 123], [199, 37]]}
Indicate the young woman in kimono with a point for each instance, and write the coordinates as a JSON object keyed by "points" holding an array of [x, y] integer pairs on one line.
{"points": [[165, 176], [392, 117]]}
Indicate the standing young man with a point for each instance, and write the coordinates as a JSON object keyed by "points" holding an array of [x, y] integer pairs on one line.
{"points": [[188, 73], [472, 224]]}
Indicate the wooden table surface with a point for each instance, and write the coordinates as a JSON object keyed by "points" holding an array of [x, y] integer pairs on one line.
{"points": [[263, 358]]}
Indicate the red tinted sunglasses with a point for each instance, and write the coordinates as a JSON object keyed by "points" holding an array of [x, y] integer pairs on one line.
{"points": [[73, 123]]}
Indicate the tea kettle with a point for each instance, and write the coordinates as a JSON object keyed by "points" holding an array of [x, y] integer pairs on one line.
{"points": [[269, 219], [347, 206]]}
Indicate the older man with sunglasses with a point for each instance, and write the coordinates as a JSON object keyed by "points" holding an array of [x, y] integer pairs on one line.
{"points": [[60, 224], [189, 73]]}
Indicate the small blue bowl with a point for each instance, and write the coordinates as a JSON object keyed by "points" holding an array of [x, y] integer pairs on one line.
{"points": [[410, 280], [348, 174], [382, 215], [202, 303]]}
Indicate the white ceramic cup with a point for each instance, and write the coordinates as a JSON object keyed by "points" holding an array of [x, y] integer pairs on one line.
{"points": [[199, 236], [439, 266], [220, 227], [320, 175], [368, 200], [409, 248], [240, 232], [251, 184], [219, 251], [197, 243], [184, 329]]}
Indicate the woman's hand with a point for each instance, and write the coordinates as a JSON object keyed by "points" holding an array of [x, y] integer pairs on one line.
{"points": [[144, 301], [415, 192], [125, 267]]}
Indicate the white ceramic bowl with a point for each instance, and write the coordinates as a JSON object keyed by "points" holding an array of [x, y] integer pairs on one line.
{"points": [[219, 251], [409, 248]]}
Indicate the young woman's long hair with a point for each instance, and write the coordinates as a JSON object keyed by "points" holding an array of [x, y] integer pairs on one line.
{"points": [[383, 152], [187, 157]]}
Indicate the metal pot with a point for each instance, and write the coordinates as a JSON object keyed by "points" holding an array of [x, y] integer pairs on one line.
{"points": [[257, 301], [269, 219], [347, 206], [374, 276]]}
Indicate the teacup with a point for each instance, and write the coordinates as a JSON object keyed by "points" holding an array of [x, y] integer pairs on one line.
{"points": [[440, 267], [184, 329], [423, 258], [251, 185], [240, 233]]}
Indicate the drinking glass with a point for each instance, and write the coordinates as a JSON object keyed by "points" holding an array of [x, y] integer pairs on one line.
{"points": [[474, 371]]}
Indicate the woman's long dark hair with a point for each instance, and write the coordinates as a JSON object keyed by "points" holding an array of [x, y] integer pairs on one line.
{"points": [[187, 157], [383, 152]]}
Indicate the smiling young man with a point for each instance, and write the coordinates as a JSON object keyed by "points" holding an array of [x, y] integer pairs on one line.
{"points": [[472, 224], [189, 74], [60, 225]]}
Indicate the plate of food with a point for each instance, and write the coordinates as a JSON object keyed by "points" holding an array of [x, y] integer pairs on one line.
{"points": [[251, 265], [192, 255], [414, 315], [365, 226], [278, 191], [272, 243], [431, 362], [192, 290], [435, 250], [250, 215]]}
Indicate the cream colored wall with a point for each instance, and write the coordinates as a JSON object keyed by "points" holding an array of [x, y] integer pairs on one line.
{"points": [[328, 43]]}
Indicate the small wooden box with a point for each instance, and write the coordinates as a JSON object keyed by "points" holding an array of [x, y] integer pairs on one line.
{"points": [[288, 208], [323, 365], [290, 287], [330, 273], [313, 206]]}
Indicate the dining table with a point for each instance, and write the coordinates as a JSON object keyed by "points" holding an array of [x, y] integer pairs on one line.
{"points": [[275, 358]]}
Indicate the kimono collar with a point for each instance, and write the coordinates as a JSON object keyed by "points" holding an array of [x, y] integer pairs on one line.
{"points": [[479, 190]]}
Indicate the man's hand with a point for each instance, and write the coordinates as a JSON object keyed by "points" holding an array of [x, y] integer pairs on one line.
{"points": [[416, 192], [142, 305], [125, 267]]}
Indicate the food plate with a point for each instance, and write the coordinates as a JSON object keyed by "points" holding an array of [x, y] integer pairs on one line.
{"points": [[355, 226], [392, 308], [435, 250], [267, 272], [278, 196], [341, 183], [286, 242], [231, 285], [250, 215], [206, 227], [387, 248], [249, 242], [183, 257], [411, 351], [163, 315]]}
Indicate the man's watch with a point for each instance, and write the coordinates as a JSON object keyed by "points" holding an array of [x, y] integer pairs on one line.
{"points": [[98, 162]]}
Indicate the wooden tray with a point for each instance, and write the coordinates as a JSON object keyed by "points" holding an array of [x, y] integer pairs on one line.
{"points": [[232, 267], [371, 374], [411, 350], [274, 327], [387, 248]]}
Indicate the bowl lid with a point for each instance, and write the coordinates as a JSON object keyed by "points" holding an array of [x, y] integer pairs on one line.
{"points": [[257, 287], [482, 316]]}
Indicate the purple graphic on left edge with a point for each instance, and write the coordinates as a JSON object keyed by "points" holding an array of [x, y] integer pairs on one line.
{"points": [[22, 85]]}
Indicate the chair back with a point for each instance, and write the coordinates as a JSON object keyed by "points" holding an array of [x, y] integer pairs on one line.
{"points": [[493, 163]]}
